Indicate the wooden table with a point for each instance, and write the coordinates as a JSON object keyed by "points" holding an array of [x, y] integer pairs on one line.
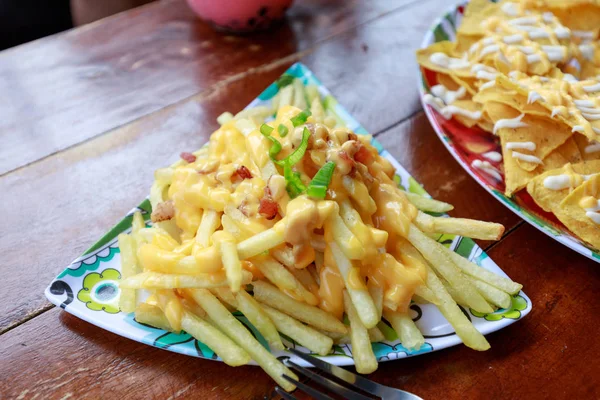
{"points": [[87, 115]]}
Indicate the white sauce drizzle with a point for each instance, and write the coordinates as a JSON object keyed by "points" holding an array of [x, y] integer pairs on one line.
{"points": [[592, 148], [590, 110], [488, 76], [584, 34], [448, 96], [575, 64], [444, 61], [487, 85], [449, 111], [526, 50], [523, 21], [594, 216], [521, 145], [562, 33], [578, 128], [493, 48], [487, 168], [509, 8], [596, 130], [534, 96], [493, 156], [557, 182], [510, 123], [548, 16], [434, 102], [538, 34], [570, 78], [596, 208], [584, 103], [487, 41], [533, 58], [587, 51], [526, 157], [512, 39], [591, 117], [592, 88]]}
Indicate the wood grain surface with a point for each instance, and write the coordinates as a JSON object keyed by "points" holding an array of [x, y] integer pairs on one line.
{"points": [[92, 112]]}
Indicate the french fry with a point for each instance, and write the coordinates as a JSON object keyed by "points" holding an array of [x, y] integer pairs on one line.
{"points": [[483, 274], [463, 327], [209, 223], [152, 315], [171, 306], [409, 334], [271, 296], [362, 352], [360, 297], [259, 318], [225, 295], [317, 111], [275, 272], [239, 334], [376, 293], [231, 353], [493, 295], [375, 335], [286, 96], [189, 303], [128, 299], [459, 226], [442, 263], [346, 240], [360, 195], [303, 334], [299, 100], [428, 205], [226, 246], [156, 280], [261, 242]]}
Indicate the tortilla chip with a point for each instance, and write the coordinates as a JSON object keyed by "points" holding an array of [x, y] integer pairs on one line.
{"points": [[467, 105], [510, 98], [546, 133], [578, 17], [447, 81], [574, 216], [475, 12], [583, 143], [549, 199], [468, 83], [517, 178], [446, 47]]}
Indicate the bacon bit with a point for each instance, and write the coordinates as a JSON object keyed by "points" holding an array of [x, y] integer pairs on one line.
{"points": [[363, 155], [267, 208], [243, 173], [189, 157], [163, 212], [352, 136]]}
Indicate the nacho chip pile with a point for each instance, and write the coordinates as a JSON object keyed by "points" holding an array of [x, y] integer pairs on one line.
{"points": [[528, 71]]}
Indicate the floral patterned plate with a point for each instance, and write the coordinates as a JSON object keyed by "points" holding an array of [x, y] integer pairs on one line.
{"points": [[468, 144], [88, 288]]}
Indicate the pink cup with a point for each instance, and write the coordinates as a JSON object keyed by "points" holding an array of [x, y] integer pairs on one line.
{"points": [[240, 15]]}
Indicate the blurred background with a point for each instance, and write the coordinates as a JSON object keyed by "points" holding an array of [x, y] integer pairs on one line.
{"points": [[24, 20]]}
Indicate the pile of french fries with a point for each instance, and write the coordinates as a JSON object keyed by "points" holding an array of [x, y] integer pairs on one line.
{"points": [[253, 240]]}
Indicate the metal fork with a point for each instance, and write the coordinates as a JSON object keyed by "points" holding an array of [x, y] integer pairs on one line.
{"points": [[356, 381]]}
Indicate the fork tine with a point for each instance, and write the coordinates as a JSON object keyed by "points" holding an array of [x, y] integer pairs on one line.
{"points": [[284, 394], [347, 376], [330, 385], [307, 389]]}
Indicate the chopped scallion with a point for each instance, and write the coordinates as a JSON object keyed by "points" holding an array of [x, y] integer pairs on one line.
{"points": [[282, 129], [320, 182], [301, 118]]}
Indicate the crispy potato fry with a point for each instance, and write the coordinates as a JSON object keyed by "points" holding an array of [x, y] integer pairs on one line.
{"points": [[375, 335], [171, 306], [128, 298], [428, 205], [211, 220], [242, 336], [493, 295], [303, 334], [376, 293], [362, 352], [442, 263], [226, 296], [231, 353], [464, 329], [360, 297], [226, 246], [152, 315], [270, 295], [261, 242], [483, 274], [259, 318], [156, 280], [347, 241], [409, 334], [460, 226]]}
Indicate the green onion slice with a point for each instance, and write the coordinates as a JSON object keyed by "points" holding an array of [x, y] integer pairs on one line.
{"points": [[317, 188], [301, 118], [266, 129], [297, 155], [283, 130]]}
